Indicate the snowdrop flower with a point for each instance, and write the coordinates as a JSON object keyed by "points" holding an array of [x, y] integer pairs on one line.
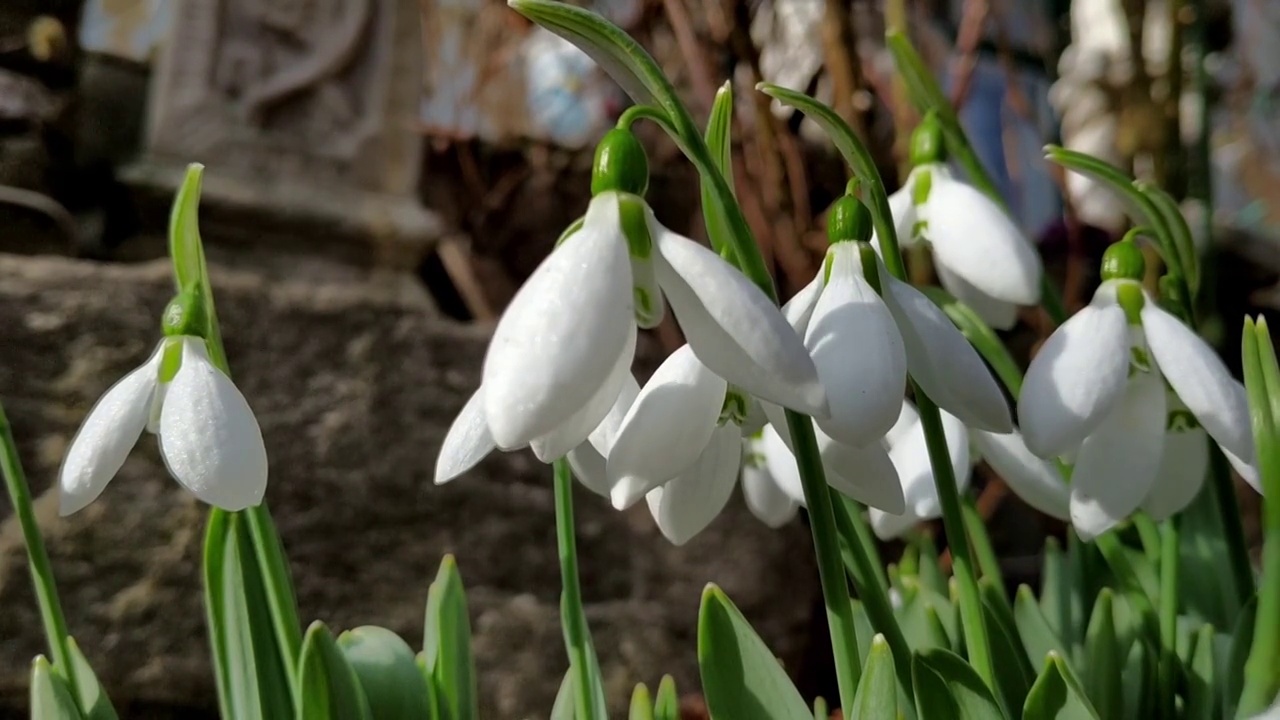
{"points": [[763, 491], [562, 351], [908, 451], [209, 438], [980, 255], [865, 330], [1097, 386]]}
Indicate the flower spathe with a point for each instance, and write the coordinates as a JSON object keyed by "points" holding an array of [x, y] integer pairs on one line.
{"points": [[209, 438], [980, 255], [864, 343], [1097, 389], [556, 349]]}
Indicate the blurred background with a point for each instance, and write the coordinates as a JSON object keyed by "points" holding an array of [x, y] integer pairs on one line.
{"points": [[383, 174]]}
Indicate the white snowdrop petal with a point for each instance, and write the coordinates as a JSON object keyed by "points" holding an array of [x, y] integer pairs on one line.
{"points": [[907, 419], [974, 238], [765, 498], [902, 207], [858, 351], [1075, 380], [685, 506], [943, 362], [799, 308], [998, 314], [865, 474], [781, 464], [1036, 481], [1200, 379], [1248, 471], [734, 328], [106, 436], [209, 438], [667, 429], [607, 431], [910, 457], [557, 341], [1118, 462], [888, 526], [574, 431], [588, 466], [467, 442], [1183, 465]]}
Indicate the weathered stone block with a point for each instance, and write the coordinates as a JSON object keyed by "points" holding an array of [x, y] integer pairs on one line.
{"points": [[354, 393]]}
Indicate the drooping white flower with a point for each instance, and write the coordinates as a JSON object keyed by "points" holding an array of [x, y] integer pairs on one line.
{"points": [[980, 255], [764, 483], [863, 341], [1097, 389], [910, 456], [209, 438]]}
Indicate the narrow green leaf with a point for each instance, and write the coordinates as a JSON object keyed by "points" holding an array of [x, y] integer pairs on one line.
{"points": [[740, 676], [1262, 384], [328, 688], [562, 709], [1140, 679], [50, 697], [933, 698], [667, 705], [920, 617], [1203, 545], [1038, 636], [641, 704], [252, 679], [820, 711], [1102, 671], [447, 643], [1014, 672], [1056, 591], [930, 571], [878, 688], [277, 586], [1202, 700], [1241, 640], [97, 706], [967, 694], [1057, 695], [384, 664]]}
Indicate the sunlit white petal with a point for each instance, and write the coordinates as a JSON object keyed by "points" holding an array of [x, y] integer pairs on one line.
{"points": [[733, 326], [667, 428], [943, 362], [1247, 471], [1075, 380], [902, 207], [998, 314], [799, 308], [209, 438], [974, 238], [858, 351], [108, 433], [781, 464], [1183, 466], [915, 470], [467, 442], [1118, 462], [685, 506], [557, 341], [1200, 379], [907, 419], [581, 424], [1036, 481], [587, 460]]}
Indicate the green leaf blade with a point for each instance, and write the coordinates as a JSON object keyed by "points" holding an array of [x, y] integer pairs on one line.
{"points": [[328, 688], [388, 673], [447, 644]]}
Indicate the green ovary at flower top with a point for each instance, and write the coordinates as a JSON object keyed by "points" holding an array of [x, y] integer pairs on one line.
{"points": [[209, 438], [561, 353], [980, 255], [1097, 392]]}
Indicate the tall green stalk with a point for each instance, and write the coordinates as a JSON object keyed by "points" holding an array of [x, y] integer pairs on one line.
{"points": [[577, 635], [1168, 604], [55, 624]]}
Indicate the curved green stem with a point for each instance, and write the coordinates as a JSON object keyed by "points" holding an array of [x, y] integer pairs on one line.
{"points": [[826, 543], [1168, 604], [1228, 506], [55, 624], [636, 113], [576, 633]]}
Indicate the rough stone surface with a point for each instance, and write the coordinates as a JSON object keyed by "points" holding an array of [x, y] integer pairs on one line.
{"points": [[354, 394]]}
